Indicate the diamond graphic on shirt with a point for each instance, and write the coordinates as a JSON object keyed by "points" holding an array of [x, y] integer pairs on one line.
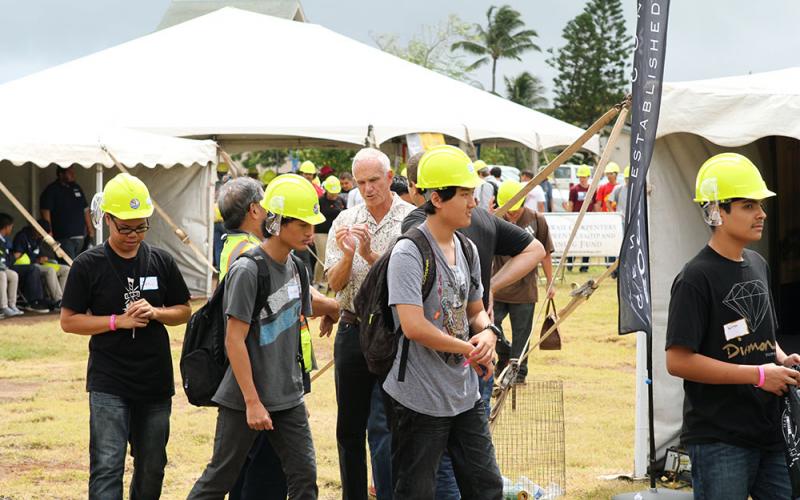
{"points": [[750, 300]]}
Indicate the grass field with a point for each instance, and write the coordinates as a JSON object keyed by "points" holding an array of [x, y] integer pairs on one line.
{"points": [[44, 408]]}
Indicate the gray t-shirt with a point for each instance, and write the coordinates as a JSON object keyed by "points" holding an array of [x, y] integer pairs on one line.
{"points": [[436, 383], [273, 347], [620, 197]]}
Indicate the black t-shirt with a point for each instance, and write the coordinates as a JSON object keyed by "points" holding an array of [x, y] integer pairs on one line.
{"points": [[66, 203], [135, 365], [491, 235], [331, 210], [710, 293]]}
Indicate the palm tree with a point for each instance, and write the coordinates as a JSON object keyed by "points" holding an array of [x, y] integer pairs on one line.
{"points": [[502, 38], [526, 90]]}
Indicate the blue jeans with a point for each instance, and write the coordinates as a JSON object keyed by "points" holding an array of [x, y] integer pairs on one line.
{"points": [[380, 444], [730, 472], [113, 423]]}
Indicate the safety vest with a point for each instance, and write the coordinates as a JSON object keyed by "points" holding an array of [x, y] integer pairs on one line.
{"points": [[23, 260], [235, 245]]}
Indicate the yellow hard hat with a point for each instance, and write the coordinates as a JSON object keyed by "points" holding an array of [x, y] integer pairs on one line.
{"points": [[446, 166], [308, 167], [612, 167], [627, 171], [222, 167], [479, 165], [126, 197], [267, 176], [727, 176], [507, 190], [404, 172], [332, 185], [584, 171], [291, 195]]}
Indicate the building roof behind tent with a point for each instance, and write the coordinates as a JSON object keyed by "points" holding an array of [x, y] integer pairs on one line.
{"points": [[736, 110], [180, 11]]}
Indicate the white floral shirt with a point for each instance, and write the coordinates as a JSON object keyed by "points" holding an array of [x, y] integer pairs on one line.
{"points": [[382, 235]]}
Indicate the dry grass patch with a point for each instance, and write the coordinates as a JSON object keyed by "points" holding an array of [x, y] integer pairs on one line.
{"points": [[44, 409]]}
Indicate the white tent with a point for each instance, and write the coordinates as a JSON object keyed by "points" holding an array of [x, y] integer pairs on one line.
{"points": [[250, 81], [184, 193], [755, 115]]}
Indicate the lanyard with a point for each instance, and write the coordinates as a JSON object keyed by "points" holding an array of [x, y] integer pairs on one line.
{"points": [[132, 286]]}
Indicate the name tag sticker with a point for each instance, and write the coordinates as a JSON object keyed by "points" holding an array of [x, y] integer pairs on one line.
{"points": [[149, 283], [293, 290], [736, 329]]}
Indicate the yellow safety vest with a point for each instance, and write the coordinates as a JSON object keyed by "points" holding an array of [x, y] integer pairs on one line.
{"points": [[235, 245], [23, 260]]}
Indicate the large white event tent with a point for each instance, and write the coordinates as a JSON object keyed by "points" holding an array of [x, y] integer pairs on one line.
{"points": [[250, 81], [755, 115], [175, 171]]}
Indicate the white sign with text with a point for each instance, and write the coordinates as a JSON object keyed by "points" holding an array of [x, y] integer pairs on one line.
{"points": [[600, 234]]}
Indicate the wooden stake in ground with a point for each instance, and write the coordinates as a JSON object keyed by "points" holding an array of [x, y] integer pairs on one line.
{"points": [[56, 246], [179, 232]]}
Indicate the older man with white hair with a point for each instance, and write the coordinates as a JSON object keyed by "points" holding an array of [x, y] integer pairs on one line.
{"points": [[356, 240]]}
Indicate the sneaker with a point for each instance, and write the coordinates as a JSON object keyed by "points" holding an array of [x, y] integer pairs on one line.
{"points": [[37, 307], [7, 312], [16, 311], [55, 305], [2, 316]]}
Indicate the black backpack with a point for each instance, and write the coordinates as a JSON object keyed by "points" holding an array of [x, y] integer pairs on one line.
{"points": [[203, 358], [378, 335]]}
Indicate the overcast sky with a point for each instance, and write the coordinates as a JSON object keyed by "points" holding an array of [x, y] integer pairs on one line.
{"points": [[708, 38]]}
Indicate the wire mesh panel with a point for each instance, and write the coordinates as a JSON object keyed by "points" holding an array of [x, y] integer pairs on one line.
{"points": [[529, 440]]}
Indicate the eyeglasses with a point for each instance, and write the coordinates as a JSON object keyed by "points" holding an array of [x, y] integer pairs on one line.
{"points": [[125, 230]]}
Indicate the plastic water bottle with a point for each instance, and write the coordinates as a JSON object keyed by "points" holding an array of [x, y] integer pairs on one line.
{"points": [[638, 496]]}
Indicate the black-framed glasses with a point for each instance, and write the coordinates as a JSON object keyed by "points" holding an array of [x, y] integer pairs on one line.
{"points": [[129, 230]]}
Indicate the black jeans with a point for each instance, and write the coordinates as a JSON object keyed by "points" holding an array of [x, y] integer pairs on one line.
{"points": [[521, 324], [262, 476], [354, 385], [418, 442]]}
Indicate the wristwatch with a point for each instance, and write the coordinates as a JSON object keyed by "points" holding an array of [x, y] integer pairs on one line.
{"points": [[497, 332]]}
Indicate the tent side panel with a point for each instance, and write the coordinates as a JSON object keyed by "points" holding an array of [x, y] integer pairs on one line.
{"points": [[182, 193]]}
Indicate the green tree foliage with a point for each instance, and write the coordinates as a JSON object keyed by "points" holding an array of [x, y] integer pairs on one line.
{"points": [[592, 65], [526, 90], [503, 37], [430, 47]]}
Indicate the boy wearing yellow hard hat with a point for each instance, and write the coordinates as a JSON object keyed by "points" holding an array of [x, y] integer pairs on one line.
{"points": [[122, 294], [263, 386], [436, 400], [721, 341]]}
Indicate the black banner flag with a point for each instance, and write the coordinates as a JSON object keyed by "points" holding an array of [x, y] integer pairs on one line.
{"points": [[633, 287]]}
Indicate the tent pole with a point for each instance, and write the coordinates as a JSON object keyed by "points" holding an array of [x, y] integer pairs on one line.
{"points": [[210, 221], [237, 169], [34, 190], [564, 156], [56, 246], [180, 233], [98, 182]]}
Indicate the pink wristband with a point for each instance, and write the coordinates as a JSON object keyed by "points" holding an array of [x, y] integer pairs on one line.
{"points": [[112, 323], [761, 376]]}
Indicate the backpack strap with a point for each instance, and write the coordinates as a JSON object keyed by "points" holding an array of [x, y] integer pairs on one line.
{"points": [[428, 274], [469, 256], [262, 292]]}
